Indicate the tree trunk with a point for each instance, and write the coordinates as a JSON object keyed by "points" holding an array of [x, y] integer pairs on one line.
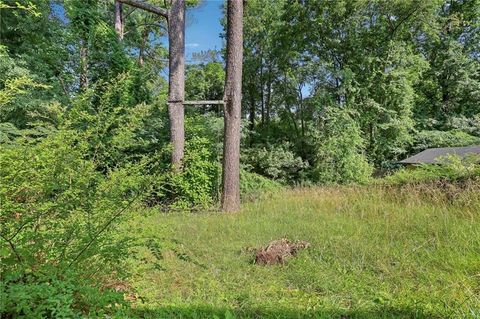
{"points": [[269, 97], [252, 111], [262, 91], [302, 113], [233, 103], [83, 64], [176, 74], [176, 36], [143, 43], [119, 27]]}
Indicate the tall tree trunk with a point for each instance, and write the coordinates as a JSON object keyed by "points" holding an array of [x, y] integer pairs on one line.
{"points": [[269, 97], [176, 72], [252, 112], [302, 112], [262, 90], [233, 103], [176, 89], [83, 64], [141, 52], [119, 26]]}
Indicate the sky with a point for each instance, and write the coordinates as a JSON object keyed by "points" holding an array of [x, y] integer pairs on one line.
{"points": [[203, 27]]}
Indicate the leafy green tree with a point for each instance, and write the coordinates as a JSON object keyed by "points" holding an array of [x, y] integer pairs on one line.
{"points": [[340, 156]]}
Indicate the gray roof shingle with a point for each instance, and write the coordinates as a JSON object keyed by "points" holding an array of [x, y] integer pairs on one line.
{"points": [[432, 155]]}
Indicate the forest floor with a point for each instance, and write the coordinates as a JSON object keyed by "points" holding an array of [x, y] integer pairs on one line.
{"points": [[374, 253]]}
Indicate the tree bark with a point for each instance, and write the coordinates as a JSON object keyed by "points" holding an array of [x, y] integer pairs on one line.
{"points": [[232, 110], [251, 116], [176, 76], [262, 91], [269, 97], [147, 7], [83, 64], [143, 43], [119, 26], [176, 89]]}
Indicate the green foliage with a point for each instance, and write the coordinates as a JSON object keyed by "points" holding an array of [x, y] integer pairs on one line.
{"points": [[116, 128], [197, 184], [28, 6], [340, 156], [252, 184], [275, 162], [385, 111], [205, 81], [21, 98], [14, 87], [428, 139], [452, 169], [470, 125], [368, 83], [37, 44], [52, 296], [398, 64], [56, 216]]}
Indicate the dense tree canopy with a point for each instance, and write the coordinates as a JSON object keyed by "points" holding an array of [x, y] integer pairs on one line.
{"points": [[405, 74], [403, 70]]}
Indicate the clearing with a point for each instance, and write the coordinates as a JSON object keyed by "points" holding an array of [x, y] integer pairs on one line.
{"points": [[375, 252]]}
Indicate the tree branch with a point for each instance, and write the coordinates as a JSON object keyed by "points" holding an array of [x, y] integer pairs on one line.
{"points": [[147, 7], [402, 20], [203, 102], [12, 247]]}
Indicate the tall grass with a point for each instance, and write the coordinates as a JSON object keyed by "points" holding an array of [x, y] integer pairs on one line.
{"points": [[376, 252]]}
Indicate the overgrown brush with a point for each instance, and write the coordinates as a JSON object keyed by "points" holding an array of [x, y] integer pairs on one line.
{"points": [[57, 213]]}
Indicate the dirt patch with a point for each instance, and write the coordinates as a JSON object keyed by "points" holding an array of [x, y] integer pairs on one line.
{"points": [[279, 251]]}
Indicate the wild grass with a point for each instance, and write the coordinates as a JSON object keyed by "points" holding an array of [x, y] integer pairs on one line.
{"points": [[376, 252]]}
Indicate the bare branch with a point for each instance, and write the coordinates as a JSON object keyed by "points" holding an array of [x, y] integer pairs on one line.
{"points": [[203, 102], [147, 7]]}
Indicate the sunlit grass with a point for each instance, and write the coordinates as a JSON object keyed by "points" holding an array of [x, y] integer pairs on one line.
{"points": [[375, 252]]}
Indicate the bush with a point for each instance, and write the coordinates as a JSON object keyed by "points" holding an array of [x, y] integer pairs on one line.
{"points": [[117, 129], [340, 154], [197, 184], [252, 184], [453, 168], [56, 215], [277, 162]]}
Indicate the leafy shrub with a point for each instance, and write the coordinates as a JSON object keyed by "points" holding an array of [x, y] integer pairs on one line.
{"points": [[470, 125], [340, 154], [116, 128], [453, 168], [197, 184], [56, 214], [252, 184], [277, 162]]}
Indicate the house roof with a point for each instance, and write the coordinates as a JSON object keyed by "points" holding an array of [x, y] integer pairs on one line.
{"points": [[433, 155]]}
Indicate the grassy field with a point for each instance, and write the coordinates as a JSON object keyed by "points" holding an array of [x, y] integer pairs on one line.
{"points": [[411, 252]]}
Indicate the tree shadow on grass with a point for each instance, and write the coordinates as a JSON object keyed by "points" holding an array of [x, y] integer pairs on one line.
{"points": [[199, 312]]}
